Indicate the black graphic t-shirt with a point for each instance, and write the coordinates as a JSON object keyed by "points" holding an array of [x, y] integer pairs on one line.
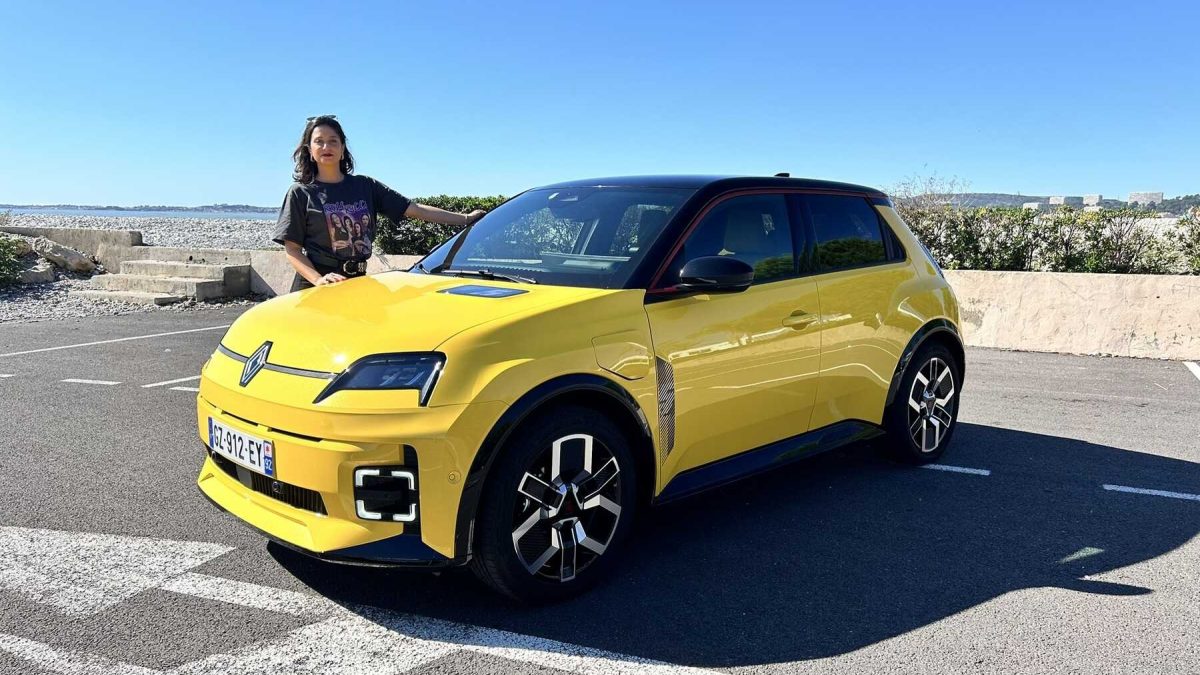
{"points": [[337, 220]]}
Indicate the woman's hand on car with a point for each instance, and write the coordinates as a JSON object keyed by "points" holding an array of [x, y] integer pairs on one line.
{"points": [[331, 278], [475, 215]]}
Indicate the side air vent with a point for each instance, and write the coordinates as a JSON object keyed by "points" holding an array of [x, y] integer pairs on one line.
{"points": [[666, 407]]}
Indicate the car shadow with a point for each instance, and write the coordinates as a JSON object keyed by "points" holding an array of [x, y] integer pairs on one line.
{"points": [[833, 554]]}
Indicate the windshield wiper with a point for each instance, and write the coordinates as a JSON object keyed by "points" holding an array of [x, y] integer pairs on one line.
{"points": [[489, 275]]}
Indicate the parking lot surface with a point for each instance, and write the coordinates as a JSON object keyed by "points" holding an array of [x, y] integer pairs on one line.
{"points": [[1058, 535]]}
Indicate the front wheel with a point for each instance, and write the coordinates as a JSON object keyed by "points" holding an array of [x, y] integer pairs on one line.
{"points": [[921, 419], [557, 506]]}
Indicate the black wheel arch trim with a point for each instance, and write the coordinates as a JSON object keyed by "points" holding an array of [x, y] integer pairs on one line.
{"points": [[518, 412], [936, 327]]}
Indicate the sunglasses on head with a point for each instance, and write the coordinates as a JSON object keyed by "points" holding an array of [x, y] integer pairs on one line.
{"points": [[316, 117]]}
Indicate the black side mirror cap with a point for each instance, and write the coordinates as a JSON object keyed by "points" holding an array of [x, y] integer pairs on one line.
{"points": [[716, 274]]}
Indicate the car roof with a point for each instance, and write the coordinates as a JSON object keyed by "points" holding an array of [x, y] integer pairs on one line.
{"points": [[720, 182]]}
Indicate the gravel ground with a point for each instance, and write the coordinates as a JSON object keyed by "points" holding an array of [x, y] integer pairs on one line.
{"points": [[44, 302], [182, 232]]}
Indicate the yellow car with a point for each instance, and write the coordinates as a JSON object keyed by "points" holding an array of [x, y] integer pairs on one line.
{"points": [[584, 351]]}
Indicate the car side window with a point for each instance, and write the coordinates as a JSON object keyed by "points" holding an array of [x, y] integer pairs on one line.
{"points": [[847, 232], [753, 228]]}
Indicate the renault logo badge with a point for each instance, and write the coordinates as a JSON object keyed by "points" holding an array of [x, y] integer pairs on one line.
{"points": [[255, 363]]}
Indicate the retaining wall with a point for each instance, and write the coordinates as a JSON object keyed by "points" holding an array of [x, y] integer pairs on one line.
{"points": [[272, 274], [80, 239], [1154, 316]]}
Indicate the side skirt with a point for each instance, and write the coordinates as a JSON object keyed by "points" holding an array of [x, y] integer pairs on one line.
{"points": [[766, 458]]}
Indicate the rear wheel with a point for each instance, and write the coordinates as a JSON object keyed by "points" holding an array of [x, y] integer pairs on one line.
{"points": [[557, 506], [923, 416]]}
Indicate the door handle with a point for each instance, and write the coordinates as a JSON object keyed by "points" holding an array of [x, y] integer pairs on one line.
{"points": [[800, 319]]}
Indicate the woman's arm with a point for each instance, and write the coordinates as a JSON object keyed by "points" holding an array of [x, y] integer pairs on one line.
{"points": [[304, 267], [433, 214]]}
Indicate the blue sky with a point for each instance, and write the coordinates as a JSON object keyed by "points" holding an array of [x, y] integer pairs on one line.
{"points": [[194, 103]]}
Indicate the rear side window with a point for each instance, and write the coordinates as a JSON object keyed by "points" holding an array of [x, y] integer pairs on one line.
{"points": [[848, 232]]}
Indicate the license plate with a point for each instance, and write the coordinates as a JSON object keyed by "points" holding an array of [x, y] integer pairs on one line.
{"points": [[250, 451]]}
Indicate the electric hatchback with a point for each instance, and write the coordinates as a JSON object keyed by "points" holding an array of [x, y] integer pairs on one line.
{"points": [[584, 351]]}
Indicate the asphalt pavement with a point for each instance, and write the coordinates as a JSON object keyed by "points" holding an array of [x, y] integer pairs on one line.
{"points": [[1059, 534]]}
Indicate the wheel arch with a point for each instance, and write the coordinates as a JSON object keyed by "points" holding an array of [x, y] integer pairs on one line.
{"points": [[941, 331], [586, 389]]}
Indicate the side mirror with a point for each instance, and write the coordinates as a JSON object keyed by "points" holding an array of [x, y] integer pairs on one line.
{"points": [[716, 274]]}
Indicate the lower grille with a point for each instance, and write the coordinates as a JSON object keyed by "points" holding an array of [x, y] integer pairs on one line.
{"points": [[292, 495]]}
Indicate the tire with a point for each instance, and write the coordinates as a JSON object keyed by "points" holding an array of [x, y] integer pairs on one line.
{"points": [[921, 420], [544, 537]]}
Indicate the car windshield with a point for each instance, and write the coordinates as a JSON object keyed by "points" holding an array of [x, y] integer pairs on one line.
{"points": [[592, 236]]}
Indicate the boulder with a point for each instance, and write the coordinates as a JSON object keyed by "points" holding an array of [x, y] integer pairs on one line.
{"points": [[67, 258], [23, 245], [42, 272]]}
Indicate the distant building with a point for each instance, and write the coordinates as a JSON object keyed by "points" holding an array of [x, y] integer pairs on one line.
{"points": [[1092, 200], [1033, 206], [1145, 198], [1066, 201]]}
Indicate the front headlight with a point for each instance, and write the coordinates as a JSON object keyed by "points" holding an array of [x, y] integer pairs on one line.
{"points": [[390, 371]]}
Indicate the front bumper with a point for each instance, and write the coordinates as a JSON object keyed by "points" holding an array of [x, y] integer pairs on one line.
{"points": [[441, 441]]}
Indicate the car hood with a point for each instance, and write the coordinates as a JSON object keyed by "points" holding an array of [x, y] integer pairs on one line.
{"points": [[329, 327]]}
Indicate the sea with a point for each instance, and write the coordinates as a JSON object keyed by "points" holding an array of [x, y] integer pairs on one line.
{"points": [[123, 213]]}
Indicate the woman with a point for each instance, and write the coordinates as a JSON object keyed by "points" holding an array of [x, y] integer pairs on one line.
{"points": [[326, 192]]}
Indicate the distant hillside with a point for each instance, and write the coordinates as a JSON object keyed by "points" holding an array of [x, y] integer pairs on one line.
{"points": [[996, 199]]}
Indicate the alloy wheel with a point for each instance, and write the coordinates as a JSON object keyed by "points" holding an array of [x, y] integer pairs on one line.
{"points": [[567, 508], [931, 405]]}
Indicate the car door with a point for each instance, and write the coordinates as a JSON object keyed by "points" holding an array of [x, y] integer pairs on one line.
{"points": [[743, 364], [860, 269]]}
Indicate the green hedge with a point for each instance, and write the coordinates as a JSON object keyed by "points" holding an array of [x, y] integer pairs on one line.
{"points": [[1064, 240], [415, 237], [10, 266]]}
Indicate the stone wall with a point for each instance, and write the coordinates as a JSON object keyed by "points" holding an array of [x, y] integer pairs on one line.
{"points": [[272, 274], [1140, 315]]}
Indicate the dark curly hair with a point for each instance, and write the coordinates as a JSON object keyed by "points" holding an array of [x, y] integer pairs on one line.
{"points": [[306, 168]]}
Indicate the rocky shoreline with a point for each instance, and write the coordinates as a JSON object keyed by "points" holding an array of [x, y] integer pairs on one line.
{"points": [[183, 231]]}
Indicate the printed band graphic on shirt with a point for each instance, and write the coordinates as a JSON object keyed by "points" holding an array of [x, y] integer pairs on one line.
{"points": [[350, 228]]}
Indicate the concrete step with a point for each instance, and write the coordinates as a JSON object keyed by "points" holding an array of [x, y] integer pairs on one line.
{"points": [[113, 256], [236, 277], [171, 268], [200, 289], [136, 297]]}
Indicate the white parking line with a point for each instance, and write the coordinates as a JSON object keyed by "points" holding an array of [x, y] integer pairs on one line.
{"points": [[185, 388], [54, 660], [4, 375], [107, 383], [124, 339], [248, 595], [957, 469], [1193, 367], [81, 574], [345, 643], [182, 379], [1155, 493]]}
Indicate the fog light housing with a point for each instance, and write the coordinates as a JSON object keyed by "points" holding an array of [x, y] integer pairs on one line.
{"points": [[385, 493]]}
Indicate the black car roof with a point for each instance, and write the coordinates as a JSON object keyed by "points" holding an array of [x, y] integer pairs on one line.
{"points": [[721, 182]]}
